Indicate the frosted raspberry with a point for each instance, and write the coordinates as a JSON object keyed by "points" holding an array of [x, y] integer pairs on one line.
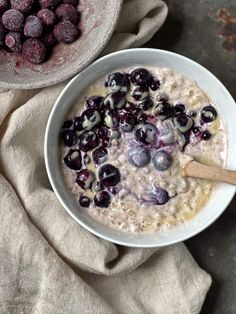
{"points": [[68, 12], [34, 50], [48, 3], [33, 27], [65, 32], [3, 5], [47, 17], [22, 5], [49, 39], [13, 41], [13, 20]]}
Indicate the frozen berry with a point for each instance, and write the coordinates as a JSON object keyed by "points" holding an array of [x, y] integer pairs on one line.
{"points": [[3, 5], [13, 41], [140, 76], [94, 102], [88, 140], [73, 159], [65, 32], [48, 3], [138, 157], [118, 82], [145, 133], [102, 199], [68, 12], [34, 50], [33, 27], [206, 135], [72, 2], [115, 100], [13, 20], [22, 5], [47, 17], [84, 201], [100, 155], [109, 175], [127, 122], [67, 124], [2, 35], [140, 92], [145, 104], [85, 178], [111, 119], [69, 137], [153, 83], [90, 118], [162, 160], [183, 123], [208, 114], [49, 39], [163, 110]]}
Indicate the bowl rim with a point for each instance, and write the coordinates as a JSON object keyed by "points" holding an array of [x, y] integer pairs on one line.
{"points": [[99, 48], [51, 179]]}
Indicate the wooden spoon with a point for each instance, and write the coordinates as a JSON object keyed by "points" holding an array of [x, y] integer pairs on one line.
{"points": [[198, 170]]}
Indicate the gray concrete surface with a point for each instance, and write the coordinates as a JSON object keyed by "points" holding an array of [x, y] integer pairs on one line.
{"points": [[195, 29]]}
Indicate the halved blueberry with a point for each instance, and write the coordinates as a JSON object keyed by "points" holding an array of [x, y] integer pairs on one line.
{"points": [[127, 122], [138, 157], [109, 175], [90, 118], [100, 155], [85, 178], [115, 100], [140, 76], [208, 114], [163, 110], [67, 124], [94, 102], [206, 135], [69, 137], [111, 119], [145, 133], [102, 199], [84, 201], [140, 92], [118, 82], [154, 83], [162, 160], [145, 104], [183, 123], [73, 159], [88, 140]]}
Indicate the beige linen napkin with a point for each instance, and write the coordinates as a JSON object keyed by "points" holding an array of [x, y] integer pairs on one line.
{"points": [[48, 263]]}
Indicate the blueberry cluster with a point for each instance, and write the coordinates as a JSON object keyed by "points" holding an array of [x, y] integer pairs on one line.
{"points": [[33, 27]]}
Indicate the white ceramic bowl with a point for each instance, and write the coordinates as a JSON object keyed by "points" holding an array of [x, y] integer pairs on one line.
{"points": [[226, 108]]}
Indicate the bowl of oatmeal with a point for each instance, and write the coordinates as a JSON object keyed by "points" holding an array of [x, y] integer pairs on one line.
{"points": [[117, 140]]}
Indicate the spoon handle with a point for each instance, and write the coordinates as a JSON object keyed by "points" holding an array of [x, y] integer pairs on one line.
{"points": [[198, 170]]}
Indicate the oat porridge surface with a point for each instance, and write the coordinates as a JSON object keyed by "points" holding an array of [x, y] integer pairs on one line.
{"points": [[125, 141]]}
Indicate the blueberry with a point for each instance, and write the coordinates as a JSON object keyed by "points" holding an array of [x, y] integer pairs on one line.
{"points": [[118, 82], [97, 186], [196, 130], [115, 100], [100, 155], [192, 114], [90, 118], [69, 137], [140, 92], [88, 140], [145, 104], [102, 199], [78, 124], [162, 160], [73, 159], [115, 135], [67, 124], [94, 102], [85, 178], [111, 119], [206, 135], [103, 134], [154, 83], [84, 201], [145, 133], [183, 123], [138, 157], [163, 110], [142, 117], [140, 76], [132, 108], [166, 136], [208, 114], [109, 175], [160, 196], [127, 122], [179, 108]]}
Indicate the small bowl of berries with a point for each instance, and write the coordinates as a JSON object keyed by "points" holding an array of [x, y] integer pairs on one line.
{"points": [[43, 42], [119, 136]]}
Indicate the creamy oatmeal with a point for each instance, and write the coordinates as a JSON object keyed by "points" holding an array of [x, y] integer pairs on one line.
{"points": [[125, 142]]}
